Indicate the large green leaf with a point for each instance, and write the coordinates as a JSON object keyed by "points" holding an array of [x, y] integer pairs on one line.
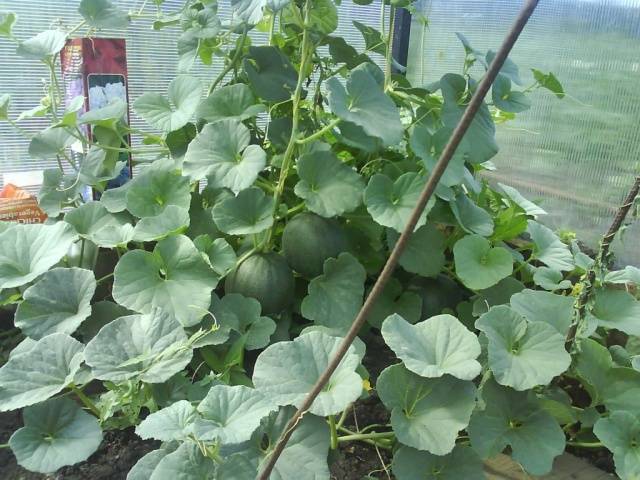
{"points": [[172, 221], [221, 152], [270, 73], [233, 102], [94, 222], [243, 315], [522, 355], [429, 147], [40, 372], [103, 14], [506, 99], [395, 299], [537, 306], [478, 264], [170, 423], [251, 211], [185, 463], [174, 277], [479, 143], [629, 274], [221, 256], [303, 458], [435, 347], [98, 166], [230, 415], [50, 142], [58, 302], [27, 251], [372, 38], [424, 254], [550, 279], [549, 81], [174, 113], [365, 104], [150, 347], [515, 196], [548, 248], [426, 413], [155, 188], [57, 191], [328, 186], [286, 371], [143, 469], [43, 46], [471, 217], [617, 309], [518, 420], [323, 16], [391, 203], [461, 463], [55, 433], [619, 433], [335, 296]]}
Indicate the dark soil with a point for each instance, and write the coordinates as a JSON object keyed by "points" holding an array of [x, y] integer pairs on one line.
{"points": [[119, 451]]}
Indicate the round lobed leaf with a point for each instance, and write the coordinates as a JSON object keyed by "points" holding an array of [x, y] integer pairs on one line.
{"points": [[516, 419], [221, 152], [174, 277], [461, 463], [40, 372], [478, 264], [285, 372], [55, 433], [391, 203], [29, 250], [251, 211], [58, 302], [437, 346], [230, 415], [151, 347], [522, 355], [426, 413], [328, 186]]}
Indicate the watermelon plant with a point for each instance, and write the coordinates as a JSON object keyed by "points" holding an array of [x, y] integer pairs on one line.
{"points": [[200, 301]]}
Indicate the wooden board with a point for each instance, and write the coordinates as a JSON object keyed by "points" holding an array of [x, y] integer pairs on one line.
{"points": [[566, 467]]}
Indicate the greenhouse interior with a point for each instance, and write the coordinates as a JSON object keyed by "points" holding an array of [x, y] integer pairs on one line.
{"points": [[319, 239]]}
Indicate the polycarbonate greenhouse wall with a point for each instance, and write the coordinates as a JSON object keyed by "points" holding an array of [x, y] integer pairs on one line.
{"points": [[577, 156]]}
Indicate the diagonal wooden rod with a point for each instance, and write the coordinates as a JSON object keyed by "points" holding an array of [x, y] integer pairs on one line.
{"points": [[462, 127]]}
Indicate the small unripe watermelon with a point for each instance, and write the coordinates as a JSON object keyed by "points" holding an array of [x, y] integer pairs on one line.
{"points": [[265, 277], [308, 240]]}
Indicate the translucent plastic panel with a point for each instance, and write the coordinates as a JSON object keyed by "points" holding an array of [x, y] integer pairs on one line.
{"points": [[151, 58], [579, 155]]}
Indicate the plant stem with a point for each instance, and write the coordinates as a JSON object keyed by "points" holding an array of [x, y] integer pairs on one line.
{"points": [[366, 436], [334, 432], [102, 279], [81, 252], [585, 444], [327, 128], [343, 417], [230, 66], [387, 67], [76, 28], [84, 399], [4, 445], [297, 95], [296, 209], [272, 28]]}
